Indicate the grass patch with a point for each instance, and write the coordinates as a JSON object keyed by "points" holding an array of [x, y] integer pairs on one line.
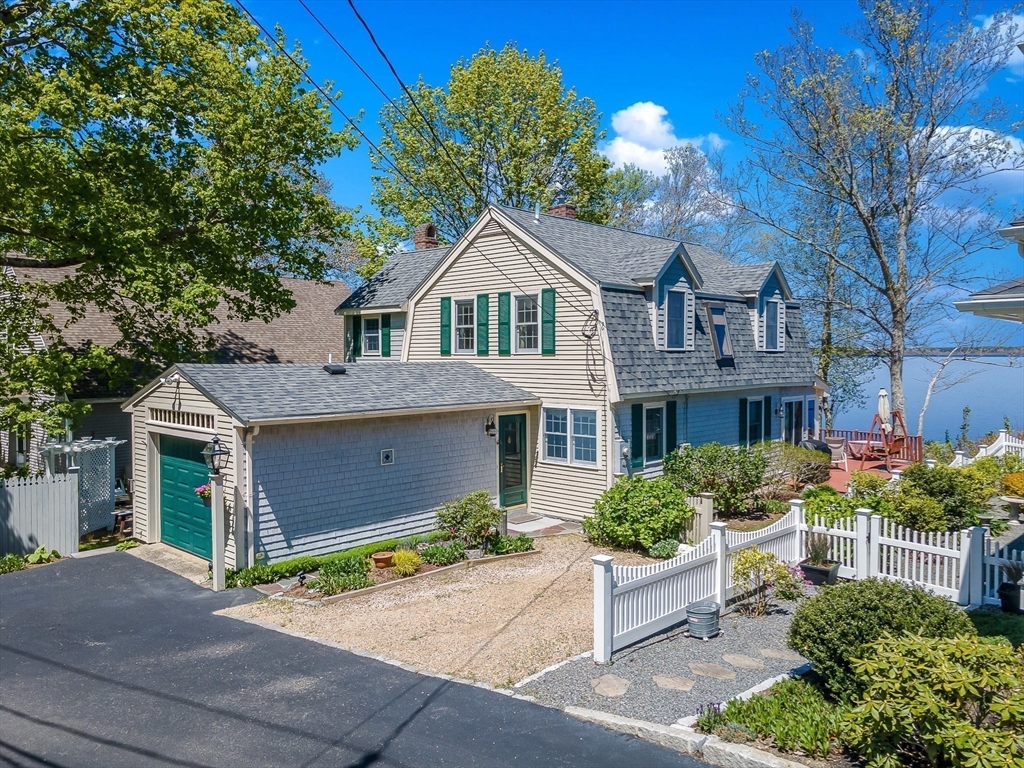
{"points": [[998, 624], [99, 540]]}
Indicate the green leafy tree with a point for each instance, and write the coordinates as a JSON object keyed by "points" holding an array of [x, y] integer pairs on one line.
{"points": [[510, 133], [170, 156]]}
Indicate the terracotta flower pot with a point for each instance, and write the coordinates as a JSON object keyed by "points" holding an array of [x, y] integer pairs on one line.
{"points": [[383, 559]]}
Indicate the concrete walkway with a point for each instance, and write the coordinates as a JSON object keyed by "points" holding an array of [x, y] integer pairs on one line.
{"points": [[537, 526], [112, 661]]}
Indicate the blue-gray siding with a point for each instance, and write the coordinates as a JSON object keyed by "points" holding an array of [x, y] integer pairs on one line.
{"points": [[321, 487], [108, 420]]}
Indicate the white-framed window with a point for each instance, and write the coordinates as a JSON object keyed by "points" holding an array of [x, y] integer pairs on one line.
{"points": [[465, 325], [570, 436], [371, 335], [654, 433], [21, 441], [527, 331], [774, 326], [719, 332], [675, 320]]}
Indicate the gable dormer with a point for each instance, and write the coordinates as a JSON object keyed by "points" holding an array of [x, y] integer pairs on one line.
{"points": [[674, 307], [768, 312]]}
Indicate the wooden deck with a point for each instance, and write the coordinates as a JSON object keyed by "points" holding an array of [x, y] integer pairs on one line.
{"points": [[840, 477]]}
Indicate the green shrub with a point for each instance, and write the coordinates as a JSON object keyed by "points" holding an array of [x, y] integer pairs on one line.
{"points": [[793, 715], [11, 563], [635, 513], [444, 554], [939, 701], [406, 562], [253, 575], [732, 474], [1013, 484], [943, 452], [834, 627], [826, 502], [753, 571], [664, 549], [865, 484], [470, 518], [343, 574], [126, 544], [962, 491], [773, 506], [800, 465], [507, 545], [913, 509]]}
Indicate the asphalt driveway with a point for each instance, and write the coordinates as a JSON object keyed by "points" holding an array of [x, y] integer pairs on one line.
{"points": [[112, 661]]}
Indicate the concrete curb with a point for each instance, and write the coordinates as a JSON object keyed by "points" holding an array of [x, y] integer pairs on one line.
{"points": [[711, 749], [94, 552]]}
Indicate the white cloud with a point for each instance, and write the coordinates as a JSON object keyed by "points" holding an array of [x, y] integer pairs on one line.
{"points": [[1016, 61], [643, 133]]}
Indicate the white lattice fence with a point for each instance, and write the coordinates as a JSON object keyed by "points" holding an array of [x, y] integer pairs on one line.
{"points": [[96, 487]]}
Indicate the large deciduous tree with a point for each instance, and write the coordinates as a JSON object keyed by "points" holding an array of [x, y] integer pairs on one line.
{"points": [[167, 154], [899, 136], [504, 130]]}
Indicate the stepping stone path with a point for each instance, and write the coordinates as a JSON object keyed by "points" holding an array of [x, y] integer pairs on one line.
{"points": [[742, 662], [673, 682], [610, 685], [713, 671], [781, 653]]}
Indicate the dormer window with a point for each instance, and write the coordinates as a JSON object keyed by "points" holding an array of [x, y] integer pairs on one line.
{"points": [[371, 336], [720, 332], [774, 326], [675, 320]]}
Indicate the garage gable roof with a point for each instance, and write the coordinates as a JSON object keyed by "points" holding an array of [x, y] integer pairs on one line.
{"points": [[255, 394]]}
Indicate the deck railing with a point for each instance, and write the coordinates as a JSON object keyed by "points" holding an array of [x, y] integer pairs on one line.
{"points": [[913, 446]]}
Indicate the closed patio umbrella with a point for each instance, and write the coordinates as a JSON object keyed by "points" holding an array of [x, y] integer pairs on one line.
{"points": [[884, 415]]}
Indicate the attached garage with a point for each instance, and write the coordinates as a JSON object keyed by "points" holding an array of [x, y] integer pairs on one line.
{"points": [[322, 457]]}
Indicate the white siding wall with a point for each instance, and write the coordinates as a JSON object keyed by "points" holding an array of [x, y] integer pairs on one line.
{"points": [[182, 397], [575, 375]]}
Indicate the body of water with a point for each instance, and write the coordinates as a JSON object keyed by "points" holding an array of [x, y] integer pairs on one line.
{"points": [[995, 390]]}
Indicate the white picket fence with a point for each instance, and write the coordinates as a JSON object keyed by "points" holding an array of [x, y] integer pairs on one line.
{"points": [[1001, 446], [992, 576], [635, 602]]}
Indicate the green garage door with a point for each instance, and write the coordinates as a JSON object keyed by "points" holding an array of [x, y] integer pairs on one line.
{"points": [[184, 517]]}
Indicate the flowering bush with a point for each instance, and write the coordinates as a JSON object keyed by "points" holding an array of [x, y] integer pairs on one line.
{"points": [[204, 491]]}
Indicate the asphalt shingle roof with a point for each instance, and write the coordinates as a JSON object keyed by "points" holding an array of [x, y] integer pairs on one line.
{"points": [[253, 393], [397, 280], [1005, 290], [641, 367]]}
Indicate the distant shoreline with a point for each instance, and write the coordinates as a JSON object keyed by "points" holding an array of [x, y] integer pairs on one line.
{"points": [[943, 351]]}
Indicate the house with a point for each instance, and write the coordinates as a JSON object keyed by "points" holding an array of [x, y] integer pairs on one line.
{"points": [[322, 457], [1004, 301], [309, 333], [633, 345]]}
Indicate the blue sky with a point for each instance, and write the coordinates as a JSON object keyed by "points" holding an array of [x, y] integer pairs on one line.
{"points": [[659, 72]]}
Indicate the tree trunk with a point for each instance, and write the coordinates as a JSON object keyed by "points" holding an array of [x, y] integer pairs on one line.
{"points": [[826, 350]]}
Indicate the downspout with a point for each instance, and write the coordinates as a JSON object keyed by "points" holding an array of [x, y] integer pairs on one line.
{"points": [[250, 509]]}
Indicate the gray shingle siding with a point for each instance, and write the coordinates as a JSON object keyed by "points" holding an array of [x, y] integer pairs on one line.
{"points": [[320, 487], [642, 368]]}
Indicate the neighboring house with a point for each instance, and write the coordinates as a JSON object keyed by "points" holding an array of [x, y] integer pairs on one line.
{"points": [[322, 457], [1004, 301], [309, 333], [633, 344]]}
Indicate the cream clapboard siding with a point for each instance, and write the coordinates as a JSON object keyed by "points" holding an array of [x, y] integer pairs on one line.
{"points": [[185, 398], [574, 376]]}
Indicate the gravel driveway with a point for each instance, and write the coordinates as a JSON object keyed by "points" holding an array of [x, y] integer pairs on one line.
{"points": [[497, 623]]}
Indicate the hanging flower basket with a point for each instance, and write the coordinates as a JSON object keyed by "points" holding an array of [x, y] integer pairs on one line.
{"points": [[204, 491]]}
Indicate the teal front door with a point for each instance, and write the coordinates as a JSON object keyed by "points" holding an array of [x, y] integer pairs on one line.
{"points": [[512, 460], [185, 520]]}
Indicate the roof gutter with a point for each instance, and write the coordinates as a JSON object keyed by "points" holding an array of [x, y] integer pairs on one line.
{"points": [[371, 309], [382, 414]]}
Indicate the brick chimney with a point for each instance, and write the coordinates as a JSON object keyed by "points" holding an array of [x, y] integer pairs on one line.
{"points": [[424, 236], [565, 210]]}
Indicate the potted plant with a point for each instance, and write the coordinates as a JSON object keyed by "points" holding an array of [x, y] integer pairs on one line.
{"points": [[817, 568], [1009, 591], [1013, 487], [383, 559]]}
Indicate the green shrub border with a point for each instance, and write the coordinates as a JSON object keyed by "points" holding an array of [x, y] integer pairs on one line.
{"points": [[284, 569]]}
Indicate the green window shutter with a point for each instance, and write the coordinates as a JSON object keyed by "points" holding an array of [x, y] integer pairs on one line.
{"points": [[483, 320], [504, 323], [766, 418], [446, 325], [636, 442], [385, 335], [547, 321], [357, 336], [743, 421], [670, 427]]}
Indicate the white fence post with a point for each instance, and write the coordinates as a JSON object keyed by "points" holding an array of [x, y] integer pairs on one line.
{"points": [[873, 546], [217, 512], [862, 522], [972, 554], [603, 628], [797, 552], [721, 560]]}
